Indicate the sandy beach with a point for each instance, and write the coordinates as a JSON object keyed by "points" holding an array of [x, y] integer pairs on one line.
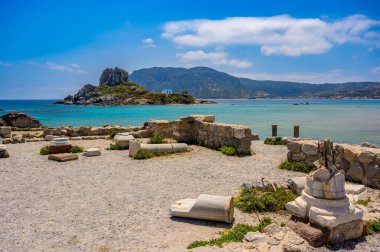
{"points": [[121, 203]]}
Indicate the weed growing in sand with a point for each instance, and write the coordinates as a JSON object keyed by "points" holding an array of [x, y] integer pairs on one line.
{"points": [[235, 234], [263, 199], [145, 154], [102, 248], [117, 147], [74, 241], [156, 139], [113, 134], [363, 202], [228, 150], [76, 149], [44, 150], [296, 166], [277, 141], [372, 226]]}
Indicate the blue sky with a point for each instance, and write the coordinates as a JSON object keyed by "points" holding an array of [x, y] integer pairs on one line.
{"points": [[49, 49]]}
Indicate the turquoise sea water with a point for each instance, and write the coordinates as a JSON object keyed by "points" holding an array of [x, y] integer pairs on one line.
{"points": [[351, 121]]}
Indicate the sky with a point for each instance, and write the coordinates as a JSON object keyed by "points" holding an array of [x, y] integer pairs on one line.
{"points": [[49, 49]]}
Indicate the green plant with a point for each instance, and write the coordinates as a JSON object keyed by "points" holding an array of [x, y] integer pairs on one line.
{"points": [[113, 134], [156, 139], [228, 150], [263, 199], [296, 166], [277, 141], [235, 234], [372, 226], [363, 202], [76, 149], [44, 150], [102, 248], [144, 154]]}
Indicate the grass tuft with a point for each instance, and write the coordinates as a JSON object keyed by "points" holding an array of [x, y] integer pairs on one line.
{"points": [[156, 139], [363, 202], [114, 146], [44, 150], [228, 150], [263, 200], [144, 154], [76, 149], [102, 248], [296, 166], [235, 234], [372, 227], [113, 134], [277, 141]]}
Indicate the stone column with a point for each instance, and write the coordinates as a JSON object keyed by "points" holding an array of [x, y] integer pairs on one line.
{"points": [[274, 130]]}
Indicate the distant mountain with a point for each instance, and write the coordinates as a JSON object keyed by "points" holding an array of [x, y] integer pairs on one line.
{"points": [[204, 82]]}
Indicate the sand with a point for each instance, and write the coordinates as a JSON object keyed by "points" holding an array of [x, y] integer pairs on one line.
{"points": [[114, 202]]}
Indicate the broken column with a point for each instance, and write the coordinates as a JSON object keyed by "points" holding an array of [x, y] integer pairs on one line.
{"points": [[59, 145], [324, 204]]}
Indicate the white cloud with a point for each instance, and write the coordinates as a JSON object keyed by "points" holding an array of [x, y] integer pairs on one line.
{"points": [[5, 64], [72, 68], [216, 58], [375, 70], [283, 35], [148, 42], [331, 76]]}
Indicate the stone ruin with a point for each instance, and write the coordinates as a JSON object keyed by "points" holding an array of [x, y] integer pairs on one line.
{"points": [[357, 163], [202, 129], [325, 213]]}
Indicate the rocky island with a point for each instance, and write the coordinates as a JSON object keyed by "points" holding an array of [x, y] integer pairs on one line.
{"points": [[115, 88]]}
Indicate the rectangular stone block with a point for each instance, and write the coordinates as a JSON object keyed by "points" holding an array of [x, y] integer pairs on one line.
{"points": [[63, 157]]}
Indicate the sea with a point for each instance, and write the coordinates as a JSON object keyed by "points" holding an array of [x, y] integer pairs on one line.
{"points": [[344, 121]]}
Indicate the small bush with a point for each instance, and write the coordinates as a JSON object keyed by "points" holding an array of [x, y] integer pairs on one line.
{"points": [[277, 141], [363, 202], [117, 147], [156, 139], [296, 166], [263, 200], [235, 234], [76, 149], [113, 134], [144, 154], [228, 150], [373, 226], [44, 150], [103, 248]]}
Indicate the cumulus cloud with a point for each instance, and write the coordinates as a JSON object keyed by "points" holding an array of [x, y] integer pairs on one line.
{"points": [[5, 64], [375, 70], [148, 42], [282, 35], [72, 68], [216, 58]]}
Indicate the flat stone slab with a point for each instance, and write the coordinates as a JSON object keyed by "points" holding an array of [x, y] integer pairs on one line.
{"points": [[63, 157], [92, 152], [315, 236]]}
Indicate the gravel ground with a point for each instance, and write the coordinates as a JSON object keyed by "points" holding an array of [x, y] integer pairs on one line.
{"points": [[114, 202]]}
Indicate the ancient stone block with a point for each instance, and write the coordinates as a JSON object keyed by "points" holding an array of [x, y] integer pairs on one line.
{"points": [[314, 235], [63, 157], [298, 157], [366, 157], [356, 171], [296, 184], [294, 146], [310, 148], [5, 131], [59, 149], [346, 231], [350, 154]]}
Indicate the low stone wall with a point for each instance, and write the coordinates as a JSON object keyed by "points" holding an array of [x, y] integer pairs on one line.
{"points": [[202, 130], [92, 131], [360, 164]]}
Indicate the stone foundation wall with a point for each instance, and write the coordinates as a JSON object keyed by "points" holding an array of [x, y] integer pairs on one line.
{"points": [[92, 131], [202, 130], [360, 164]]}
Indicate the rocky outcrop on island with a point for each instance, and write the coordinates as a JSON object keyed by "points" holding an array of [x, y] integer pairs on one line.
{"points": [[19, 120], [116, 89]]}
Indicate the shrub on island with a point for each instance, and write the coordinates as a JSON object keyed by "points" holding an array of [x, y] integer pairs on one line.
{"points": [[300, 166], [235, 234], [263, 199]]}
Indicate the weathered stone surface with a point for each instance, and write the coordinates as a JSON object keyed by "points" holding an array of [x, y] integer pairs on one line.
{"points": [[63, 157], [366, 157], [6, 131], [356, 172], [272, 229], [346, 231], [59, 149], [315, 236], [350, 154], [310, 148], [113, 76], [20, 120], [294, 146], [255, 237], [92, 152], [296, 184]]}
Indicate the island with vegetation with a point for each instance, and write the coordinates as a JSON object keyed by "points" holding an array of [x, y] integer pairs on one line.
{"points": [[115, 88]]}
